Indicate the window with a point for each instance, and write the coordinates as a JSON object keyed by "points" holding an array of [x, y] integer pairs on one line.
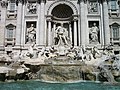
{"points": [[12, 6], [115, 32], [10, 33], [113, 5]]}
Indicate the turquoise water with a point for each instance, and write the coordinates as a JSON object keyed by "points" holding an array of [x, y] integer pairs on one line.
{"points": [[38, 85]]}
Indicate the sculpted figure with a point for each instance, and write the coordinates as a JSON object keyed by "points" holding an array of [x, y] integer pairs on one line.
{"points": [[61, 38], [94, 33], [31, 34], [30, 52], [95, 52]]}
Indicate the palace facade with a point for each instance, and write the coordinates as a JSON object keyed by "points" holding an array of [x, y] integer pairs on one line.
{"points": [[86, 23]]}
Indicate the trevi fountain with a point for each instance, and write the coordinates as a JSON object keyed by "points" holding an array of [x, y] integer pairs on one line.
{"points": [[61, 63]]}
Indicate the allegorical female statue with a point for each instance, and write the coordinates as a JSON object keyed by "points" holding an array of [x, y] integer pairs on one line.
{"points": [[94, 33], [31, 34]]}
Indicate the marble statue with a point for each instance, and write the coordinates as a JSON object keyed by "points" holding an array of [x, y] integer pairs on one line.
{"points": [[94, 34], [62, 38], [31, 34], [95, 52], [32, 8], [30, 52]]}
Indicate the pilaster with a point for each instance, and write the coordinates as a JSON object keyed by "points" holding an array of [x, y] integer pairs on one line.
{"points": [[42, 23], [23, 26], [19, 23], [82, 22], [38, 25], [102, 24], [86, 30], [2, 24], [106, 23]]}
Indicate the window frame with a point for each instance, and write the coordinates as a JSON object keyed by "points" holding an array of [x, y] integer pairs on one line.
{"points": [[115, 32]]}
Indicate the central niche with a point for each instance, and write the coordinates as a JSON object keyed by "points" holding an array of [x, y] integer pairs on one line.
{"points": [[62, 11], [62, 15]]}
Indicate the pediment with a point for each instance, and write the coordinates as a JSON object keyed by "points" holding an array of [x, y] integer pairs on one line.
{"points": [[10, 25]]}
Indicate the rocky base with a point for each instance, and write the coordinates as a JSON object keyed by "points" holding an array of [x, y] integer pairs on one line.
{"points": [[65, 73]]}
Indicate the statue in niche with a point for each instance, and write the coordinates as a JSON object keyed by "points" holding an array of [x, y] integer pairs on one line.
{"points": [[94, 34], [31, 34], [92, 7], [62, 38], [32, 8]]}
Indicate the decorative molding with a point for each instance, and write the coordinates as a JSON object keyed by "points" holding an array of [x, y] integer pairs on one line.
{"points": [[10, 25], [4, 4]]}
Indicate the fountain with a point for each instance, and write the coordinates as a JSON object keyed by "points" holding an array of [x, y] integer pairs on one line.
{"points": [[63, 63]]}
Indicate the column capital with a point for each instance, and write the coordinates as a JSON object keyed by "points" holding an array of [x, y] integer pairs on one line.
{"points": [[21, 1], [48, 17], [82, 1], [54, 22], [75, 17], [105, 0], [41, 1], [4, 3]]}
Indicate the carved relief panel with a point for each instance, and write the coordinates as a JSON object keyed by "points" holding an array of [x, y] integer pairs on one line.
{"points": [[93, 6], [31, 7]]}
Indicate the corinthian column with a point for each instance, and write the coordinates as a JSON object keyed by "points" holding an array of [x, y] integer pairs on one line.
{"points": [[106, 23], [49, 33], [70, 32], [19, 23], [75, 32]]}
